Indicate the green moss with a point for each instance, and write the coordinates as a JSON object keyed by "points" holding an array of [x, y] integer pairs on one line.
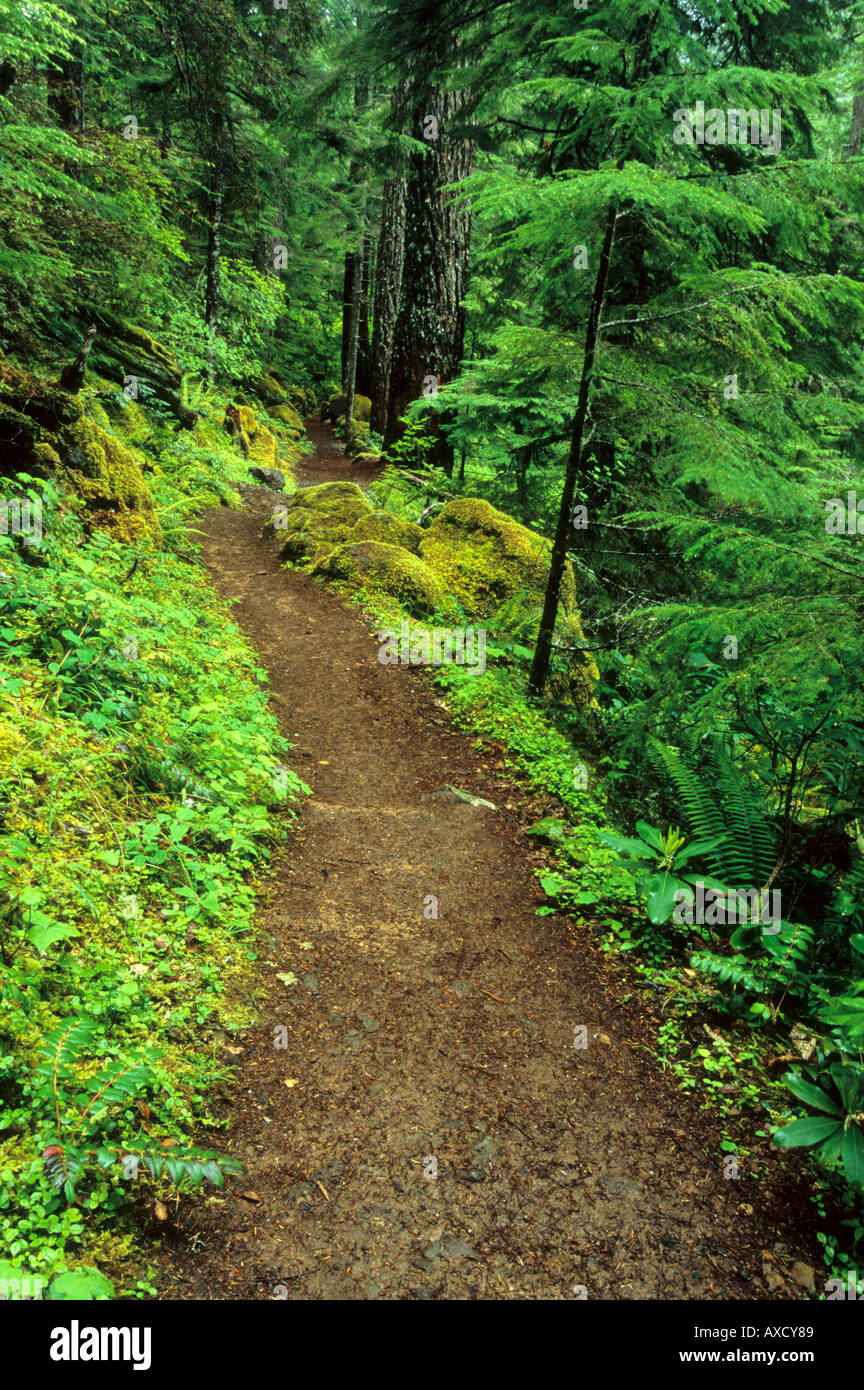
{"points": [[41, 400], [263, 448], [345, 501], [271, 391], [310, 533], [362, 408], [384, 526], [109, 478], [287, 416], [304, 401], [387, 569], [47, 456], [150, 346], [484, 557]]}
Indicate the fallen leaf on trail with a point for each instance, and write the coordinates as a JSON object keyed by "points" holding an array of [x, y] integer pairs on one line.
{"points": [[160, 1211], [322, 1187], [291, 1083], [249, 1196], [235, 1051]]}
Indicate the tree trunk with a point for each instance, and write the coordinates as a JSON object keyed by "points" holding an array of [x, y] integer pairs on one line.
{"points": [[362, 374], [66, 92], [347, 302], [857, 127], [8, 75], [388, 284], [543, 650], [72, 375], [214, 259], [430, 329], [353, 336]]}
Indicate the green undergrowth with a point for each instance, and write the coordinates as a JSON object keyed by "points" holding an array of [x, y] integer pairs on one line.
{"points": [[143, 785]]}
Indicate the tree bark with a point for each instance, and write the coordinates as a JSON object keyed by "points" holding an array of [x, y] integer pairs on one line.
{"points": [[388, 285], [353, 336], [66, 92], [347, 302], [214, 259], [72, 375], [362, 373], [430, 328], [543, 650], [857, 126]]}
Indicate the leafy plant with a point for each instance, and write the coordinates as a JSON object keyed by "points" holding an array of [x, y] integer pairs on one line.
{"points": [[655, 860], [88, 1114], [837, 1132]]}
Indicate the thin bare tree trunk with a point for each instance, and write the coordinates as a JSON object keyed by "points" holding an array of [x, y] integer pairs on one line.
{"points": [[543, 650]]}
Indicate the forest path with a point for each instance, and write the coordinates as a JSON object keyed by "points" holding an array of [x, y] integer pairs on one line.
{"points": [[413, 1042]]}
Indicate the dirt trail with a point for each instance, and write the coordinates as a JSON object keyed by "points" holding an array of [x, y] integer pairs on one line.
{"points": [[418, 1045]]}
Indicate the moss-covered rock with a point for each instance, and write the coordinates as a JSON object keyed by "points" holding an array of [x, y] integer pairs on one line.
{"points": [[309, 534], [303, 400], [110, 479], [343, 502], [315, 519], [337, 408], [384, 526], [359, 441], [122, 349], [44, 431], [270, 390], [26, 396], [366, 461], [256, 442], [287, 416], [389, 569], [485, 558], [491, 564]]}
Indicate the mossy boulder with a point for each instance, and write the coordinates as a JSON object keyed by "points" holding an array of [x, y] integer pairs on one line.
{"points": [[490, 564], [122, 350], [308, 534], [337, 408], [343, 503], [315, 519], [270, 390], [485, 558], [389, 569], [44, 431], [302, 399], [109, 477], [256, 442], [384, 526], [286, 415], [359, 441], [366, 461]]}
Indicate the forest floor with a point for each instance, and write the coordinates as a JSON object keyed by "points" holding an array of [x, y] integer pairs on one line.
{"points": [[417, 1044]]}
